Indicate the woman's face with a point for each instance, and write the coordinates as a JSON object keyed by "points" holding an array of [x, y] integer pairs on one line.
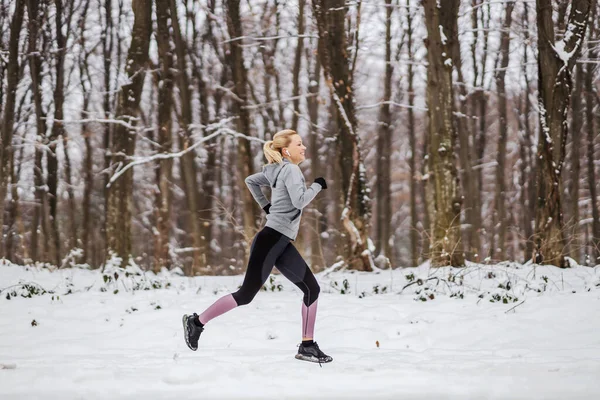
{"points": [[295, 150]]}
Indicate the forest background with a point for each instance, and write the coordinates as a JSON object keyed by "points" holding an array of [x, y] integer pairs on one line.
{"points": [[447, 130]]}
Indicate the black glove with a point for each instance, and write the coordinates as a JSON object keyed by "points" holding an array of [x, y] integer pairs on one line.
{"points": [[321, 181], [266, 208]]}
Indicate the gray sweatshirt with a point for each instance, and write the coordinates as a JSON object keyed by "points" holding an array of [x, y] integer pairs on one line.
{"points": [[289, 195]]}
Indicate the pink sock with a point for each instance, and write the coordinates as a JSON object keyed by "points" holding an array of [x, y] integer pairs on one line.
{"points": [[221, 306], [309, 315]]}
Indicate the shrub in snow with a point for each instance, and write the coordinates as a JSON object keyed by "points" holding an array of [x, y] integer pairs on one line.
{"points": [[505, 284], [26, 290], [155, 306], [377, 289], [344, 288], [272, 285], [424, 293], [130, 278], [426, 288], [499, 297], [71, 259]]}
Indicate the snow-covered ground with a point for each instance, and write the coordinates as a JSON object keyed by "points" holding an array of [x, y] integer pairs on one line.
{"points": [[485, 332]]}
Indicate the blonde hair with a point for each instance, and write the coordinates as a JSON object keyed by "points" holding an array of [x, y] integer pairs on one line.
{"points": [[273, 148]]}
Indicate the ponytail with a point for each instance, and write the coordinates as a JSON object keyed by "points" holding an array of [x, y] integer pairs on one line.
{"points": [[273, 148], [272, 156]]}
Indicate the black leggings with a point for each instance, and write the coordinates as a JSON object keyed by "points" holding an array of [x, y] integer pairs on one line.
{"points": [[271, 248]]}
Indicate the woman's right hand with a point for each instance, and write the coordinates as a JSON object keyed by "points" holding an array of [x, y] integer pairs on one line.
{"points": [[321, 181]]}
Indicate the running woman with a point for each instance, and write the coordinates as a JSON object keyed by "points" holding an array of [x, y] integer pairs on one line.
{"points": [[272, 246]]}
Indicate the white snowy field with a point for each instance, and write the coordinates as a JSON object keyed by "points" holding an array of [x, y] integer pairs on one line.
{"points": [[484, 332]]}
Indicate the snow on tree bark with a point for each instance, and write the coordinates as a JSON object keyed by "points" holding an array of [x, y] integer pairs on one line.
{"points": [[446, 246], [6, 135], [501, 187], [164, 171], [240, 79], [120, 192], [555, 65], [330, 17]]}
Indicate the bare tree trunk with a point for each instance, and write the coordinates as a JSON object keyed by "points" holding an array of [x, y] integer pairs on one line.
{"points": [[107, 53], [36, 12], [334, 244], [88, 172], [590, 105], [561, 17], [500, 198], [210, 175], [208, 181], [554, 71], [187, 163], [577, 117], [271, 120], [277, 75], [38, 222], [240, 79], [16, 230], [16, 218], [529, 160], [59, 133], [88, 162], [426, 191], [71, 213], [320, 219], [330, 16], [524, 173], [412, 141], [56, 132], [465, 152], [446, 244], [4, 12], [304, 240], [224, 228], [164, 172], [9, 108], [120, 192], [273, 112], [480, 22], [384, 150], [298, 64], [208, 188]]}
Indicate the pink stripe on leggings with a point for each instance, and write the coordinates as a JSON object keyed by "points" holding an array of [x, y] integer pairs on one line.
{"points": [[309, 315], [219, 307]]}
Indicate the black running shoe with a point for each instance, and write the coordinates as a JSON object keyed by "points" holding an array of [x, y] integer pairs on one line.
{"points": [[191, 331], [312, 353]]}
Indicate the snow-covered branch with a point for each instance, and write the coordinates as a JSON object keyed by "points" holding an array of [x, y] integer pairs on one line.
{"points": [[569, 46], [392, 103], [219, 129], [101, 121], [269, 38], [485, 3], [275, 102]]}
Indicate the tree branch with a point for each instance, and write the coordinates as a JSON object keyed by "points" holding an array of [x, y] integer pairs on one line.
{"points": [[220, 130]]}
